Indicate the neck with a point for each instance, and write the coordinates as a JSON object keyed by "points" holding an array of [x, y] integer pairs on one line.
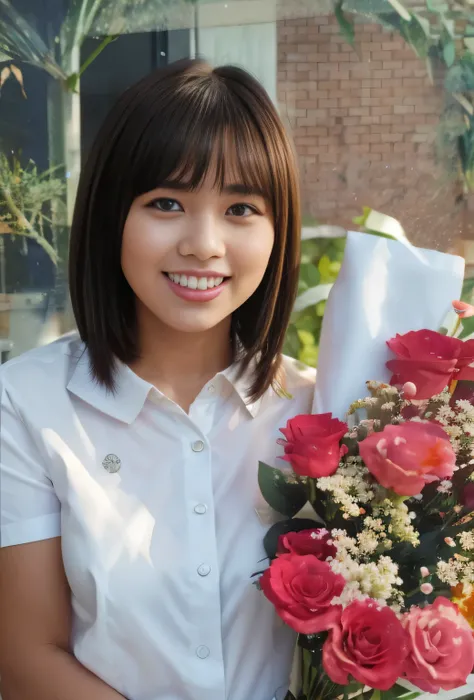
{"points": [[179, 364]]}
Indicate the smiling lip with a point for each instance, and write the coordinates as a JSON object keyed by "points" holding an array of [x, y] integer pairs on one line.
{"points": [[196, 294]]}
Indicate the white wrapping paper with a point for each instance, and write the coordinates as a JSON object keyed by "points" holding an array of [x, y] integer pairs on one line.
{"points": [[384, 287]]}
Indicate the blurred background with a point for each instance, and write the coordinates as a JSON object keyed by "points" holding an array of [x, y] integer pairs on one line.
{"points": [[377, 94]]}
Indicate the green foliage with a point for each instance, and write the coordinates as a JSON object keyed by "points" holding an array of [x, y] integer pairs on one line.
{"points": [[19, 40], [467, 295], [440, 33], [27, 201], [283, 495], [321, 260], [345, 24], [320, 264]]}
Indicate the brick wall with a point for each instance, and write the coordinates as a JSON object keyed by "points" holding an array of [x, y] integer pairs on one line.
{"points": [[364, 123]]}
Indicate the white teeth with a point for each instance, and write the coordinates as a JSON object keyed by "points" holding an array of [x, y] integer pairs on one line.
{"points": [[201, 283]]}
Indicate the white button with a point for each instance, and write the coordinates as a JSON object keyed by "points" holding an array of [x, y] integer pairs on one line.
{"points": [[203, 652], [204, 570], [211, 388], [197, 446], [200, 508]]}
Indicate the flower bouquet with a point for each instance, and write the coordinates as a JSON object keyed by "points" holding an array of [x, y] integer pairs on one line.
{"points": [[373, 566]]}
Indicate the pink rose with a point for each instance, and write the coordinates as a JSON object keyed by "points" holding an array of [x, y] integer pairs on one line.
{"points": [[406, 457], [312, 444], [317, 542], [430, 360], [369, 644], [441, 646], [301, 588]]}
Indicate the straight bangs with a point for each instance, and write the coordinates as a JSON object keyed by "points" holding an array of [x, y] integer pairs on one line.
{"points": [[184, 124], [206, 132]]}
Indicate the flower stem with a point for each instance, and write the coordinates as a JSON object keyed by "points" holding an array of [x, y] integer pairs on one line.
{"points": [[456, 327], [312, 491]]}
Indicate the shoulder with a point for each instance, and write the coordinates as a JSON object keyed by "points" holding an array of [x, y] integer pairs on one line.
{"points": [[298, 381], [297, 376], [41, 373]]}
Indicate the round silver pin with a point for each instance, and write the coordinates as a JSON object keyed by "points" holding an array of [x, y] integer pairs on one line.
{"points": [[112, 464]]}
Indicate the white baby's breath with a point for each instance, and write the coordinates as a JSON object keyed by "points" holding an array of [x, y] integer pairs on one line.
{"points": [[349, 486], [444, 486], [400, 525], [456, 570], [466, 540]]}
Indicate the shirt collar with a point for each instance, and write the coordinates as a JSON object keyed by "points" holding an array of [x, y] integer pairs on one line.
{"points": [[242, 385], [131, 392]]}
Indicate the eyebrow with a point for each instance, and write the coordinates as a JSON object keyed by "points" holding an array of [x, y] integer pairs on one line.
{"points": [[235, 188]]}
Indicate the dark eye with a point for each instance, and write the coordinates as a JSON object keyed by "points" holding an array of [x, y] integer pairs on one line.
{"points": [[241, 210], [165, 204]]}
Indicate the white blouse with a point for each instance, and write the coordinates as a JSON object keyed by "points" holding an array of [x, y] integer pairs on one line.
{"points": [[157, 514]]}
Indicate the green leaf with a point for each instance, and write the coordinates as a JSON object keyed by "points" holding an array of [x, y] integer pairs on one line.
{"points": [[292, 343], [438, 6], [416, 32], [361, 220], [270, 541], [467, 327], [309, 355], [449, 52], [281, 495], [468, 290], [77, 24], [306, 338], [20, 40], [314, 295], [397, 692], [345, 25], [310, 274]]}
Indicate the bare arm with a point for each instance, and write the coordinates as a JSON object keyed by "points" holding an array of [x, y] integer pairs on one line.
{"points": [[35, 621]]}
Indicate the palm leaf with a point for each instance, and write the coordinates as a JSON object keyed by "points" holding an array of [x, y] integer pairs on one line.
{"points": [[77, 25], [19, 40]]}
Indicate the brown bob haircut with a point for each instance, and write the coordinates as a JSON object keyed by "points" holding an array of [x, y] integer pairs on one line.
{"points": [[173, 124]]}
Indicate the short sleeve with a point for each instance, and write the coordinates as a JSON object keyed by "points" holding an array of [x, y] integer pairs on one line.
{"points": [[29, 508]]}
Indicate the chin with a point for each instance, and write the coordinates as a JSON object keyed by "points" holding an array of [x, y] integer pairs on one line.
{"points": [[193, 322]]}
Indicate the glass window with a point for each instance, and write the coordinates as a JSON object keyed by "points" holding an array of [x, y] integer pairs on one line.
{"points": [[377, 96]]}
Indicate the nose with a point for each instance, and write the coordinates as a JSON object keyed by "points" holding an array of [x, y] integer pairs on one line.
{"points": [[203, 238]]}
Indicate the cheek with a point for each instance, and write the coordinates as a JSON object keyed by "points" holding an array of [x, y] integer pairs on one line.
{"points": [[252, 253], [142, 248]]}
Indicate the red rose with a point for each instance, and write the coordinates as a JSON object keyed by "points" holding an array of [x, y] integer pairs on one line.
{"points": [[301, 588], [312, 444], [369, 644], [430, 360], [406, 457], [316, 541], [441, 646]]}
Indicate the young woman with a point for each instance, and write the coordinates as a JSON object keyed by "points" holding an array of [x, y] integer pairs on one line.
{"points": [[129, 452]]}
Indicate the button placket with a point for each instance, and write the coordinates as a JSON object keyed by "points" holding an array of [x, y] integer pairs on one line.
{"points": [[202, 651], [205, 569], [197, 446]]}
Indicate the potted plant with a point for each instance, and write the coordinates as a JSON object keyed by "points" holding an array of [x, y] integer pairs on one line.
{"points": [[29, 240]]}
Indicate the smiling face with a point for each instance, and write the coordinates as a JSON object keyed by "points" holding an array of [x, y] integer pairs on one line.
{"points": [[192, 174], [192, 257]]}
